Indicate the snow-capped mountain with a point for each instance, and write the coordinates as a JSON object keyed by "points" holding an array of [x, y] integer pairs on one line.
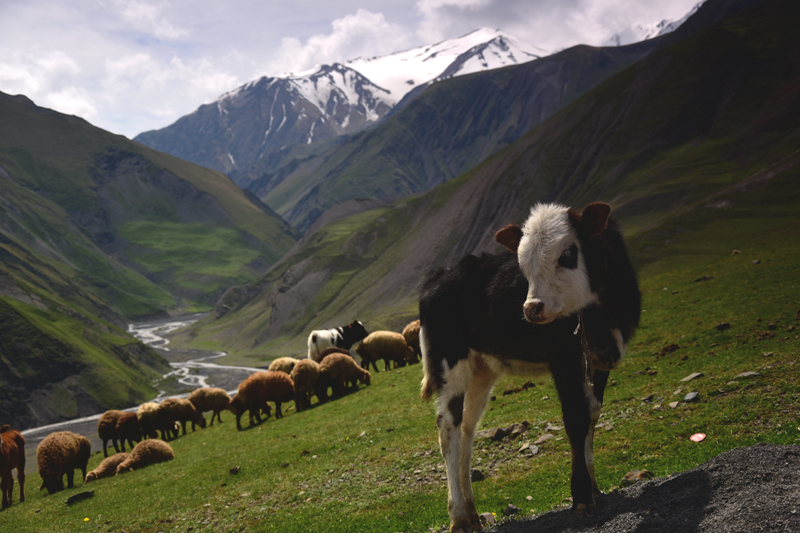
{"points": [[641, 32], [267, 115]]}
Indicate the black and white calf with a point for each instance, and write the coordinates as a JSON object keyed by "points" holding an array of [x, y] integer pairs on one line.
{"points": [[563, 300], [343, 337]]}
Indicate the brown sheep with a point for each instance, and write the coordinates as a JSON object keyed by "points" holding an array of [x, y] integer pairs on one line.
{"points": [[329, 351], [181, 410], [12, 455], [259, 388], [128, 429], [210, 399], [107, 430], [386, 345], [283, 364], [146, 453], [411, 335], [107, 468], [339, 370], [61, 453], [305, 376], [152, 419]]}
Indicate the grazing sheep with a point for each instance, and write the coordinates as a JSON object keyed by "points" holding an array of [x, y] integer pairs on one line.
{"points": [[151, 419], [107, 468], [305, 376], [210, 399], [12, 455], [411, 335], [61, 453], [329, 351], [283, 364], [128, 429], [181, 410], [339, 371], [146, 453], [256, 390], [386, 345], [107, 429], [343, 337]]}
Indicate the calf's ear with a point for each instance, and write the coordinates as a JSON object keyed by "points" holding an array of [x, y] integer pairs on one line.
{"points": [[509, 237], [595, 218]]}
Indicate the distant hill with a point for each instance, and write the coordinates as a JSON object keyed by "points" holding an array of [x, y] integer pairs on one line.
{"points": [[97, 231], [694, 146]]}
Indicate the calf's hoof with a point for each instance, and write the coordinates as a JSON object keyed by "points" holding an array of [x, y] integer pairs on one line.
{"points": [[584, 509]]}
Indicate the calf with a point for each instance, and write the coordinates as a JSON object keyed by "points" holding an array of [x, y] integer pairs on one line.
{"points": [[343, 337], [564, 300], [12, 455]]}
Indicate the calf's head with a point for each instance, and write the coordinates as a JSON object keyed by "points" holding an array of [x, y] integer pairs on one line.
{"points": [[551, 249]]}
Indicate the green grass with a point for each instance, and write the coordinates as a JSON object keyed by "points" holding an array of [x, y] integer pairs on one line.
{"points": [[370, 461]]}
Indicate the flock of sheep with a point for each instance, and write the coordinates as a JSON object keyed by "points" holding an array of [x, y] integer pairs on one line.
{"points": [[288, 379]]}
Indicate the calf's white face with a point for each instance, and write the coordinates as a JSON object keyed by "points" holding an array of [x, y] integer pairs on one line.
{"points": [[550, 257]]}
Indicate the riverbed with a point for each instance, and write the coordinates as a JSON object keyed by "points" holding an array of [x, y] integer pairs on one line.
{"points": [[191, 369]]}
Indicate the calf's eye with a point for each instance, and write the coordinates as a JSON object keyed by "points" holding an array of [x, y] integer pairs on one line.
{"points": [[569, 257]]}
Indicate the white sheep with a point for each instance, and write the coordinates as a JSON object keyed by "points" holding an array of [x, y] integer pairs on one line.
{"points": [[283, 364], [146, 453], [386, 345], [107, 468]]}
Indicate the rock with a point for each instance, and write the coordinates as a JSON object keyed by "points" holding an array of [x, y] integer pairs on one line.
{"points": [[544, 438], [772, 325], [692, 376], [529, 498], [511, 510], [648, 398], [495, 434], [528, 449], [673, 405], [552, 427], [768, 354], [234, 470], [477, 475], [757, 262], [518, 429], [722, 326], [735, 252], [635, 476], [704, 278], [75, 498], [692, 397], [747, 375], [488, 519]]}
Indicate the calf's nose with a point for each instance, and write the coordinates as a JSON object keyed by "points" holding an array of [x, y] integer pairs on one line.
{"points": [[534, 311]]}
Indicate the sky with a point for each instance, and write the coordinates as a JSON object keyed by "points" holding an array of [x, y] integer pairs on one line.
{"points": [[129, 66]]}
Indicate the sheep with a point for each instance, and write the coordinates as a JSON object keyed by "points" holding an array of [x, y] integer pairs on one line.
{"points": [[326, 352], [107, 429], [411, 335], [210, 399], [12, 455], [283, 364], [563, 299], [107, 468], [181, 410], [305, 376], [151, 419], [256, 390], [342, 337], [386, 345], [339, 371], [128, 429], [146, 453], [61, 453]]}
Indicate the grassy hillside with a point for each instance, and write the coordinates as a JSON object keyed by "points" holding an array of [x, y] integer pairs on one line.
{"points": [[370, 461], [97, 231], [697, 137]]}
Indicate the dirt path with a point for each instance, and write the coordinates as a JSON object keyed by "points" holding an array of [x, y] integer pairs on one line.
{"points": [[745, 490]]}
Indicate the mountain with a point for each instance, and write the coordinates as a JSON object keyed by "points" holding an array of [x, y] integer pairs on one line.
{"points": [[694, 146], [265, 116], [642, 32], [97, 231], [447, 129]]}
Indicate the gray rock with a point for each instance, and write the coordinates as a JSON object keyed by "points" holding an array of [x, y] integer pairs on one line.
{"points": [[477, 475], [488, 519], [544, 438], [747, 375], [511, 510], [692, 397], [692, 376], [722, 326]]}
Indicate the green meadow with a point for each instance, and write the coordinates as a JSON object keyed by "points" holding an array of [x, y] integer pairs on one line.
{"points": [[370, 462]]}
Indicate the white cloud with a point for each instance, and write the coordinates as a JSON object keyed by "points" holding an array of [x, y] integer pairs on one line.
{"points": [[148, 19], [362, 34], [72, 101]]}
